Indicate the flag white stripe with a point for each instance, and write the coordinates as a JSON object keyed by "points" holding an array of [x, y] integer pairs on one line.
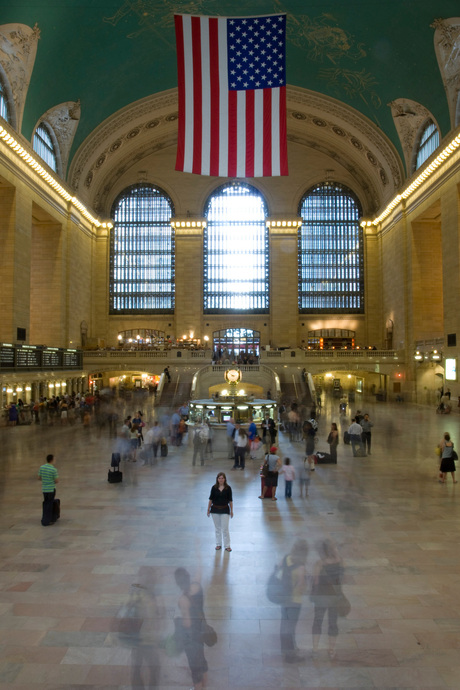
{"points": [[258, 133], [188, 79], [223, 99]]}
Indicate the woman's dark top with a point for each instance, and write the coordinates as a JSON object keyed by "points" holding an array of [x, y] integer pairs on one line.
{"points": [[196, 611], [221, 499], [328, 585]]}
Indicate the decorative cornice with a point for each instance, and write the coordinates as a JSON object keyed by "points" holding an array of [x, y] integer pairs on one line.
{"points": [[314, 120], [141, 117], [347, 123]]}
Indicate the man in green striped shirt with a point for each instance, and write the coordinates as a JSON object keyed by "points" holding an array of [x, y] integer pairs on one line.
{"points": [[49, 477]]}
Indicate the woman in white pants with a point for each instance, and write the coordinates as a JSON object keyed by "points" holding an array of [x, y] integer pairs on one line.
{"points": [[220, 506]]}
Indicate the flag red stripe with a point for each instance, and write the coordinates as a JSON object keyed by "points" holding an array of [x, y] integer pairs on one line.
{"points": [[250, 148], [267, 133], [283, 133], [197, 92], [232, 133], [215, 96], [181, 91]]}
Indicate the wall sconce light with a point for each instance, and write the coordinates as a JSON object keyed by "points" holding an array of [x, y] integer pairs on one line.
{"points": [[418, 356]]}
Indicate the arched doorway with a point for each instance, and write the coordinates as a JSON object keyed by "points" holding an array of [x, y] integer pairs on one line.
{"points": [[236, 344]]}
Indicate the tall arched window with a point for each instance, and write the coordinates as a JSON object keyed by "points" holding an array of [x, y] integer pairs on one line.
{"points": [[45, 145], [236, 251], [4, 112], [142, 252], [428, 143], [331, 266]]}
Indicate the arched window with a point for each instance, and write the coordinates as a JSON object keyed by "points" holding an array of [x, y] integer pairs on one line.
{"points": [[428, 143], [142, 252], [45, 146], [236, 251], [4, 111], [331, 266]]}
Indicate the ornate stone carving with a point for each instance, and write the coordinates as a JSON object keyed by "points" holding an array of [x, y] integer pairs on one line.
{"points": [[314, 120], [337, 114], [18, 48], [409, 116], [63, 120], [111, 133], [447, 48]]}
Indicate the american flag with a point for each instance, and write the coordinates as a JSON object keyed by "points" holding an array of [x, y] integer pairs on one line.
{"points": [[232, 95]]}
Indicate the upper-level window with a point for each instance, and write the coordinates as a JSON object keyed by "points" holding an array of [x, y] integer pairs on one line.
{"points": [[429, 142], [44, 146], [142, 252], [331, 266], [236, 251], [4, 103]]}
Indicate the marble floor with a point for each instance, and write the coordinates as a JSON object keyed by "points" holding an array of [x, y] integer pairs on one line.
{"points": [[88, 602]]}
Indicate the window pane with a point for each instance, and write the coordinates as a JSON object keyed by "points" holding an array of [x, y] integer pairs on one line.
{"points": [[429, 142], [331, 269], [43, 145], [142, 252], [3, 104], [236, 252]]}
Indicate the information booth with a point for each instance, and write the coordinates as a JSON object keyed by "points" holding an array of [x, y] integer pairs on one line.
{"points": [[222, 410]]}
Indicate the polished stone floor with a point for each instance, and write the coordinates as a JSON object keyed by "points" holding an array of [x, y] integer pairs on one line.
{"points": [[87, 603]]}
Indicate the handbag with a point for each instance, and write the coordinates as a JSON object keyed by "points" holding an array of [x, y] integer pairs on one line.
{"points": [[454, 455], [343, 606], [437, 450], [208, 634]]}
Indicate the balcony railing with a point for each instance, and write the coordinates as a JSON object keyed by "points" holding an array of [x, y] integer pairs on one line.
{"points": [[291, 356]]}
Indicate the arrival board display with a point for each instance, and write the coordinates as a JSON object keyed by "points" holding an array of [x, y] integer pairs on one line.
{"points": [[51, 358], [6, 357], [26, 357], [70, 359]]}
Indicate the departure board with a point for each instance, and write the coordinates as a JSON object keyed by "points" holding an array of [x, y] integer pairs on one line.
{"points": [[28, 357], [6, 356], [51, 358]]}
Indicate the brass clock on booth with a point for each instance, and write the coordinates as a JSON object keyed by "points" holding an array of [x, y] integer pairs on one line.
{"points": [[233, 375]]}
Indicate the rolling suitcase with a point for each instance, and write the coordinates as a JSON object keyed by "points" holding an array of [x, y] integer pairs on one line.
{"points": [[269, 492], [114, 475], [325, 459]]}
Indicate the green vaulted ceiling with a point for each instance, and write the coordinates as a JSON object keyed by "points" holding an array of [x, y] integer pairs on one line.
{"points": [[109, 53]]}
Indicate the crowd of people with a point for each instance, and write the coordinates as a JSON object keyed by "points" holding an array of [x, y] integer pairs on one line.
{"points": [[141, 439]]}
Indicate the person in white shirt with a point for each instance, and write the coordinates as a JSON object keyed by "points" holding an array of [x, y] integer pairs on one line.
{"points": [[355, 430]]}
